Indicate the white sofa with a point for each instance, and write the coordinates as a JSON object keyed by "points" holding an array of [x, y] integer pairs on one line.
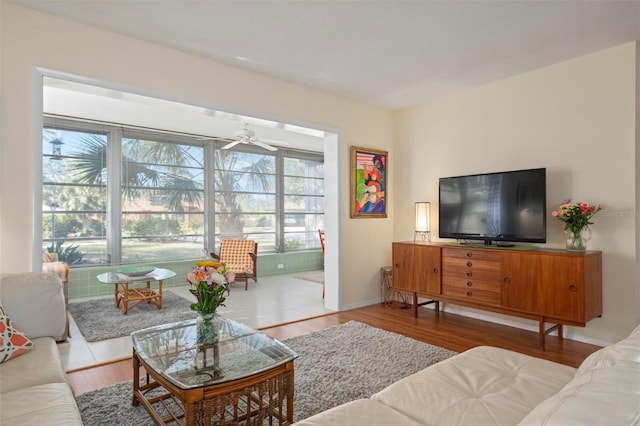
{"points": [[33, 386], [492, 386]]}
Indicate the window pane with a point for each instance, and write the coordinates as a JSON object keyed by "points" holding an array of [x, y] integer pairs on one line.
{"points": [[163, 201], [303, 203], [304, 167], [245, 197], [299, 240], [258, 227], [229, 160], [74, 196]]}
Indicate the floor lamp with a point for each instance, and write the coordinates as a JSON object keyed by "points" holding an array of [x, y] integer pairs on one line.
{"points": [[423, 221]]}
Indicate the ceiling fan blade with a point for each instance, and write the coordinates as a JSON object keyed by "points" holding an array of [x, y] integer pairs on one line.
{"points": [[264, 145], [231, 145], [275, 141]]}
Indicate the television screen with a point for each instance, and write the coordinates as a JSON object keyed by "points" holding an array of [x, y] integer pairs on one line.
{"points": [[506, 206]]}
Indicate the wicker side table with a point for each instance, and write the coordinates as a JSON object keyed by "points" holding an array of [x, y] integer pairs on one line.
{"points": [[386, 286], [389, 295]]}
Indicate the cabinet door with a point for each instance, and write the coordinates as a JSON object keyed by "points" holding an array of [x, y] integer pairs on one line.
{"points": [[427, 269], [416, 268], [520, 277], [403, 266], [561, 287]]}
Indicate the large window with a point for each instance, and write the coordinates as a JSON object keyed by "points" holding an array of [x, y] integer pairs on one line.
{"points": [[114, 195], [162, 210], [245, 197], [74, 206], [303, 201]]}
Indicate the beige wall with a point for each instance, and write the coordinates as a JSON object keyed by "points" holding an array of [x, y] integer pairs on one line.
{"points": [[31, 39], [577, 119]]}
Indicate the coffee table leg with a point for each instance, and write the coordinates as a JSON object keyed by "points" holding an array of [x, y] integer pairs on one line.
{"points": [[125, 298], [136, 379], [117, 299], [160, 294]]}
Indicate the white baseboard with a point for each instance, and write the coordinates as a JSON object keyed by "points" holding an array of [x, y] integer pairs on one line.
{"points": [[524, 324]]}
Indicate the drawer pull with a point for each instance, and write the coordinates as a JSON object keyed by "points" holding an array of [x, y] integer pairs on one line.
{"points": [[469, 274], [469, 283], [469, 264], [469, 293], [507, 280], [435, 270], [573, 288], [397, 265], [469, 254]]}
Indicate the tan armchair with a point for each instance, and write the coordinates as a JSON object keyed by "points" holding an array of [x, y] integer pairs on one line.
{"points": [[241, 257]]}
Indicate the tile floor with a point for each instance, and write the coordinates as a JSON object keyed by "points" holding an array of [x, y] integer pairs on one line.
{"points": [[272, 300]]}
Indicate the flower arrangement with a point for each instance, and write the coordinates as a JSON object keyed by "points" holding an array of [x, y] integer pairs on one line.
{"points": [[576, 215], [209, 282]]}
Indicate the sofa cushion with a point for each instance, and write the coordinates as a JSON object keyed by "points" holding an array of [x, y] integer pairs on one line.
{"points": [[359, 412], [605, 390], [482, 386], [40, 366], [50, 404], [13, 342], [44, 315]]}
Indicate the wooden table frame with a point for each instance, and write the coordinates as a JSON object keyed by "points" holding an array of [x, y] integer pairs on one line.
{"points": [[265, 395], [130, 296], [137, 295]]}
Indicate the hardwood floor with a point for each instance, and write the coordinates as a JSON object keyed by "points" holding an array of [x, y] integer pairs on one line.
{"points": [[454, 332]]}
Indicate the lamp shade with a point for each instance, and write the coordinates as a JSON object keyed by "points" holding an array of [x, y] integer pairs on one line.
{"points": [[423, 217]]}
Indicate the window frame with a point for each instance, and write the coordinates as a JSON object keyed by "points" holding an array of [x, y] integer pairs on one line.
{"points": [[115, 132]]}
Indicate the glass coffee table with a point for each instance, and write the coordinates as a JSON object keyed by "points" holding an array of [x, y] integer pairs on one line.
{"points": [[132, 296], [248, 381]]}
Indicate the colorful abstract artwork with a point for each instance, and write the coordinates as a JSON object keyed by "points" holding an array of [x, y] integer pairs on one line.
{"points": [[369, 192]]}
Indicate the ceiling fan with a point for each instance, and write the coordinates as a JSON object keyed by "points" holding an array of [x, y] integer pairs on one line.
{"points": [[247, 136]]}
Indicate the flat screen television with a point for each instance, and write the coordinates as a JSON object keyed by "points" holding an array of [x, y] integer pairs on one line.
{"points": [[501, 208]]}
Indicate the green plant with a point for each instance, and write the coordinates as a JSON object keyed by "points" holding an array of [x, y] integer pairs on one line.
{"points": [[292, 244], [69, 254]]}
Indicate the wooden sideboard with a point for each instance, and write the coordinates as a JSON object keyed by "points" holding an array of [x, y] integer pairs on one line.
{"points": [[547, 285]]}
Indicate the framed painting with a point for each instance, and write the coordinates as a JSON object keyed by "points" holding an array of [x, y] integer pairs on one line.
{"points": [[368, 183]]}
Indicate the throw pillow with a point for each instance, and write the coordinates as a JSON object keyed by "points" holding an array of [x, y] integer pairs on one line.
{"points": [[13, 342]]}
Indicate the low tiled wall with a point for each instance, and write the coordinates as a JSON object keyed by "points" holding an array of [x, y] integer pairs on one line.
{"points": [[83, 281]]}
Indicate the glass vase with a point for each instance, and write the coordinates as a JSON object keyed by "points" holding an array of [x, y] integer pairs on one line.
{"points": [[577, 239], [208, 350]]}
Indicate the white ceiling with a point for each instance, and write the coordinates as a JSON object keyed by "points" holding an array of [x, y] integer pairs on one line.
{"points": [[71, 99], [387, 53]]}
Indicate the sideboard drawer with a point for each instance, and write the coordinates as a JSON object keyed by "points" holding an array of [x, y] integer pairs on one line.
{"points": [[471, 294], [470, 254]]}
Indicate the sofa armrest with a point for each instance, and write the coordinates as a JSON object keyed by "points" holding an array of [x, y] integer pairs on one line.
{"points": [[35, 302]]}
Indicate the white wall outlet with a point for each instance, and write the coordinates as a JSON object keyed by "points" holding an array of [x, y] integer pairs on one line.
{"points": [[280, 266]]}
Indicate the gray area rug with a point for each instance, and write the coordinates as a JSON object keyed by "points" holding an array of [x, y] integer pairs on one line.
{"points": [[334, 366], [100, 320]]}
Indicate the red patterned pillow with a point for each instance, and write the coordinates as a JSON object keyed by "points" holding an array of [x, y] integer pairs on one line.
{"points": [[13, 342]]}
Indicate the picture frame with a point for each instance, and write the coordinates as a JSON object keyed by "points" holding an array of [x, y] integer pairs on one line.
{"points": [[369, 192]]}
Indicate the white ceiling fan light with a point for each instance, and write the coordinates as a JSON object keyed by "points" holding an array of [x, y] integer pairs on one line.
{"points": [[247, 136]]}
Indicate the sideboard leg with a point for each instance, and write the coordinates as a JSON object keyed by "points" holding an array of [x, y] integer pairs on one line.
{"points": [[560, 333], [542, 333]]}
